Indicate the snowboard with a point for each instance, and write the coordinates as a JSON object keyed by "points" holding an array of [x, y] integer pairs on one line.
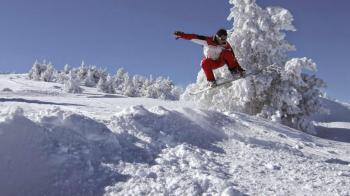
{"points": [[220, 83]]}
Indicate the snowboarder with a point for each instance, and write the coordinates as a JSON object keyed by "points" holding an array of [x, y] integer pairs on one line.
{"points": [[217, 53]]}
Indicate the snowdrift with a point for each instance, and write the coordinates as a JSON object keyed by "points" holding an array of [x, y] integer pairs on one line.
{"points": [[55, 143], [62, 153], [59, 154], [159, 151]]}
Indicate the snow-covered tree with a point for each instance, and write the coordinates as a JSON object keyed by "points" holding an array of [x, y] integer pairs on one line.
{"points": [[66, 69], [128, 86], [138, 81], [89, 80], [82, 71], [35, 72], [119, 79], [49, 73], [139, 86], [72, 85], [109, 84], [101, 85], [162, 88], [91, 76], [281, 91], [106, 84], [42, 71]]}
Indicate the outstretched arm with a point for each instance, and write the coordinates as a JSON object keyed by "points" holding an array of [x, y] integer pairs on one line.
{"points": [[199, 39]]}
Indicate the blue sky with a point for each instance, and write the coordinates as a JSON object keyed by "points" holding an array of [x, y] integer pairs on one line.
{"points": [[137, 35]]}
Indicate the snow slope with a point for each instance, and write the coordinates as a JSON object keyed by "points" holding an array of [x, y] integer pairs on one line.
{"points": [[54, 143]]}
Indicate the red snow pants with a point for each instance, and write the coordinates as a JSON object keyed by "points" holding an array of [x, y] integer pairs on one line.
{"points": [[226, 57]]}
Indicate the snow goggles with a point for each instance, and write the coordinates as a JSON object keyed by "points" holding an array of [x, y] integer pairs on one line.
{"points": [[222, 38]]}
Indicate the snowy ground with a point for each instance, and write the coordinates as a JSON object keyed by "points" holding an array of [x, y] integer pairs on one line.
{"points": [[54, 143]]}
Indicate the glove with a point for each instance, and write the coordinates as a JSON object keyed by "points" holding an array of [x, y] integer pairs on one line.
{"points": [[178, 34]]}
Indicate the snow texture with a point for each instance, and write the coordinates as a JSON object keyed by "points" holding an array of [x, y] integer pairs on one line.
{"points": [[58, 143]]}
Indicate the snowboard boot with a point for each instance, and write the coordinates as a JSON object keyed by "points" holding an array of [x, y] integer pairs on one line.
{"points": [[237, 72], [212, 84]]}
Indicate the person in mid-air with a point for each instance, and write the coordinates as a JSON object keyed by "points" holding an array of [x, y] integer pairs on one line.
{"points": [[217, 53]]}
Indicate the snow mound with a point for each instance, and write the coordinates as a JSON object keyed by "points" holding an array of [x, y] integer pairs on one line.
{"points": [[60, 154], [158, 128], [63, 153], [227, 154], [182, 170]]}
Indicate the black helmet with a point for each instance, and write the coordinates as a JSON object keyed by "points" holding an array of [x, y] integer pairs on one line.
{"points": [[221, 32]]}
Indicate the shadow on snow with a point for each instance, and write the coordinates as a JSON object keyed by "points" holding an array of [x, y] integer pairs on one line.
{"points": [[37, 102]]}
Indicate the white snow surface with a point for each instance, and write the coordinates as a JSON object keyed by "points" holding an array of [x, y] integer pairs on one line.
{"points": [[56, 143]]}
